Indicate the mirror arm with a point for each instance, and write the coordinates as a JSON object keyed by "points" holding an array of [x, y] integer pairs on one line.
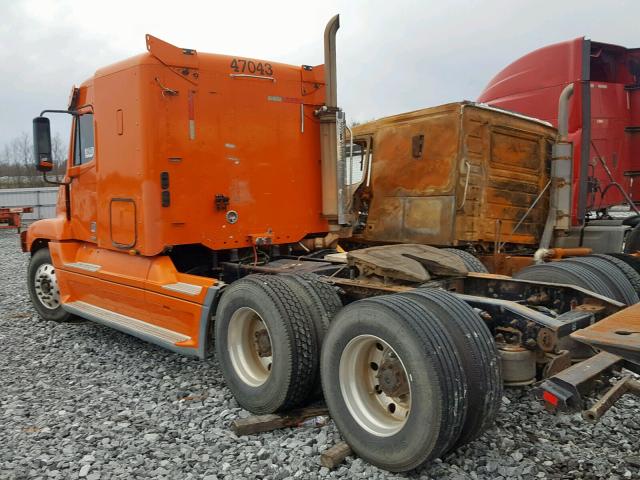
{"points": [[67, 193], [53, 182], [70, 112]]}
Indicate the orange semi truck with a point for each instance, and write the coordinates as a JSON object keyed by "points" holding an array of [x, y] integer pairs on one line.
{"points": [[200, 196]]}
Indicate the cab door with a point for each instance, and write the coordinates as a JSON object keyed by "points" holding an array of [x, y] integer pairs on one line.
{"points": [[82, 172]]}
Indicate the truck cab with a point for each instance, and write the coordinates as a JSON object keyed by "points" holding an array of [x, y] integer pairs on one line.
{"points": [[604, 114], [180, 160]]}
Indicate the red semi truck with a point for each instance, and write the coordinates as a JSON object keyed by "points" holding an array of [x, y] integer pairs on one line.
{"points": [[603, 115]]}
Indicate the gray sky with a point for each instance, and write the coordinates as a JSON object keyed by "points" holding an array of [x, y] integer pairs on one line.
{"points": [[393, 56]]}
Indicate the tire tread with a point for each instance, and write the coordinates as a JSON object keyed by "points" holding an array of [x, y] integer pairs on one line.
{"points": [[611, 275], [451, 376], [568, 274], [479, 354], [632, 275], [472, 263], [299, 339]]}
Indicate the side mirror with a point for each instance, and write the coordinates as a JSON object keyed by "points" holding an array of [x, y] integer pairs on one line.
{"points": [[42, 144]]}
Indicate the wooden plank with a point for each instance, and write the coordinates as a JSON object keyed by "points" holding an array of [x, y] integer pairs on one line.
{"points": [[266, 423], [335, 455]]}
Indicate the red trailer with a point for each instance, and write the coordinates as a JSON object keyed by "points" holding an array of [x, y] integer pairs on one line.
{"points": [[604, 113], [11, 217]]}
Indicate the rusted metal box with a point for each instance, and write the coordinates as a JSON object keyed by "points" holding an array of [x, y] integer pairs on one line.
{"points": [[457, 174]]}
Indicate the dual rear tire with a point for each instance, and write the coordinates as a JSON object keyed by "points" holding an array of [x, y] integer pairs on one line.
{"points": [[601, 274], [269, 330], [470, 261], [408, 377]]}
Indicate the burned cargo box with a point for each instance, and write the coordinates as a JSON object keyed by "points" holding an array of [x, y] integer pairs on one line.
{"points": [[457, 174]]}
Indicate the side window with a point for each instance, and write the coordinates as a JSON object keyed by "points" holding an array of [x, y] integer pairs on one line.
{"points": [[84, 149], [355, 163]]}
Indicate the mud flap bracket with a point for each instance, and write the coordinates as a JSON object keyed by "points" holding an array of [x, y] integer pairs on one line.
{"points": [[563, 391]]}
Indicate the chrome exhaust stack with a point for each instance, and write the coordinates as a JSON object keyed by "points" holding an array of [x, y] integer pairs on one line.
{"points": [[330, 69], [559, 217], [332, 127]]}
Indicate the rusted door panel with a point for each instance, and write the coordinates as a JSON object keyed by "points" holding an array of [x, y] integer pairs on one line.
{"points": [[397, 172], [414, 173]]}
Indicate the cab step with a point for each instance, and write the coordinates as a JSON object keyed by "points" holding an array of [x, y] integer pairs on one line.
{"points": [[146, 331], [89, 267]]}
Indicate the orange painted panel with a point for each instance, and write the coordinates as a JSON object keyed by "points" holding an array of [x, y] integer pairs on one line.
{"points": [[113, 266], [163, 273], [171, 313], [208, 128], [131, 285], [151, 273]]}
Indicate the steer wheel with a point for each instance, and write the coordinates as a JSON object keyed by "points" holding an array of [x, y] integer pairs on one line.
{"points": [[43, 287]]}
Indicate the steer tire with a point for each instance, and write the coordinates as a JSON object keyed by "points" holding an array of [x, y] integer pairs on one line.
{"points": [[567, 274], [435, 378], [612, 275], [470, 261], [478, 354], [294, 346], [42, 258], [632, 275]]}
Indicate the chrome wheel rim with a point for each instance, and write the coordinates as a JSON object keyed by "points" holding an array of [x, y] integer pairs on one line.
{"points": [[46, 286], [249, 346], [375, 385]]}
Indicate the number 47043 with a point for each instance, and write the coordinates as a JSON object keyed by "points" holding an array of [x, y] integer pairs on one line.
{"points": [[249, 66]]}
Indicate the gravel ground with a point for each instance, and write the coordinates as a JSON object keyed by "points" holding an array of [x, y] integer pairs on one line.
{"points": [[83, 401]]}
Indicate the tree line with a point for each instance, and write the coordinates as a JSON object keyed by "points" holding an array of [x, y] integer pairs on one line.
{"points": [[17, 164]]}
